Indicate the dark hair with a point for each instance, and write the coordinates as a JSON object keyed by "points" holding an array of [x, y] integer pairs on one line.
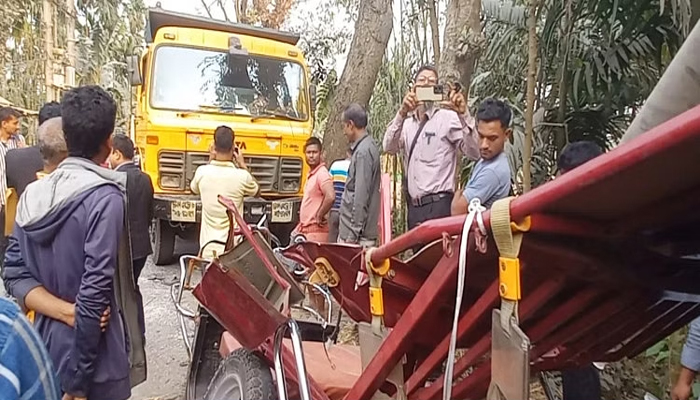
{"points": [[494, 110], [426, 67], [49, 110], [313, 141], [576, 154], [356, 114], [88, 114], [124, 144], [223, 139], [8, 112]]}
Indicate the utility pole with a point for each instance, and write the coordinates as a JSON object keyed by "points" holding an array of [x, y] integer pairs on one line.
{"points": [[47, 17]]}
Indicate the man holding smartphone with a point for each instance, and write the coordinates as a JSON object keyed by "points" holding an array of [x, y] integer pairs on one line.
{"points": [[430, 134], [226, 175]]}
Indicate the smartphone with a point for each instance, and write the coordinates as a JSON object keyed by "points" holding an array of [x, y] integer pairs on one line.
{"points": [[430, 93]]}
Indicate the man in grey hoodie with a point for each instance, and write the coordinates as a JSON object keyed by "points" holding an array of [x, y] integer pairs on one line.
{"points": [[69, 231]]}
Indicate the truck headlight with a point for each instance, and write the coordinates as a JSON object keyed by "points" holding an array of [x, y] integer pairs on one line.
{"points": [[290, 174], [170, 181], [290, 185]]}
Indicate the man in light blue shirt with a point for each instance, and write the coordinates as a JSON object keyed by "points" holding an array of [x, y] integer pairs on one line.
{"points": [[26, 371], [490, 179], [690, 364]]}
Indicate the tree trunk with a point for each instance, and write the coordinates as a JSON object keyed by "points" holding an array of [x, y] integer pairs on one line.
{"points": [[561, 138], [434, 29], [530, 94], [372, 32], [678, 89], [463, 42]]}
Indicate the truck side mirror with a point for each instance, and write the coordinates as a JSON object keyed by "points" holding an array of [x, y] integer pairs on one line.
{"points": [[133, 66]]}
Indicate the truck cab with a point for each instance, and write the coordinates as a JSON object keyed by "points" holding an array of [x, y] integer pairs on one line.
{"points": [[196, 74]]}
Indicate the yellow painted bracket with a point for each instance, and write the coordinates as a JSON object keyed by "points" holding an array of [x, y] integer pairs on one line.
{"points": [[376, 301], [509, 278], [325, 273], [381, 269]]}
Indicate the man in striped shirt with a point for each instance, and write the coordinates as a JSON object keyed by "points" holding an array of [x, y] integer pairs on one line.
{"points": [[26, 371], [339, 174], [9, 139]]}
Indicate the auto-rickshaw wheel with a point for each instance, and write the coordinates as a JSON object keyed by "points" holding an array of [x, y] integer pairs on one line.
{"points": [[242, 375]]}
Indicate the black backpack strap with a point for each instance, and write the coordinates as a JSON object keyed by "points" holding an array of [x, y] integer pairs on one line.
{"points": [[415, 140]]}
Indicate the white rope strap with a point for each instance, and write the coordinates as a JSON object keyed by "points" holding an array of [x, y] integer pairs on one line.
{"points": [[475, 210]]}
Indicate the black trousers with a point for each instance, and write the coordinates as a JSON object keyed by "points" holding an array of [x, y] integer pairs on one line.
{"points": [[3, 238], [435, 210], [138, 265], [333, 226]]}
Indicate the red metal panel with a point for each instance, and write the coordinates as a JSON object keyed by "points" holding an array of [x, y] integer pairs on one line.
{"points": [[530, 304], [479, 310], [399, 339], [238, 306]]}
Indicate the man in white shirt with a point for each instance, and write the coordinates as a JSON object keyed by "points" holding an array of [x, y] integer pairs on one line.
{"points": [[226, 175]]}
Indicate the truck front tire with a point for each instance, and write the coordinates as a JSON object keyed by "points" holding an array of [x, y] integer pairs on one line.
{"points": [[163, 241]]}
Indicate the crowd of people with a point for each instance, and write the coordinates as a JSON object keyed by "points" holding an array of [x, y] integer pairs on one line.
{"points": [[77, 209], [78, 243]]}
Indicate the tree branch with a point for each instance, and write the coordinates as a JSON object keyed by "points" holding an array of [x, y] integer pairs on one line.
{"points": [[206, 8], [223, 9]]}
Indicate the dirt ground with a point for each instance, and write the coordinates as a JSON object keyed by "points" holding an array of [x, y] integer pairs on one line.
{"points": [[165, 350]]}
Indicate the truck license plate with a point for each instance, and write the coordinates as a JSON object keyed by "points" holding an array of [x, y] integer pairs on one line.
{"points": [[282, 211], [183, 211]]}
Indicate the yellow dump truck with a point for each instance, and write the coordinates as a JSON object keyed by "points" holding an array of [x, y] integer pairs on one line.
{"points": [[196, 74]]}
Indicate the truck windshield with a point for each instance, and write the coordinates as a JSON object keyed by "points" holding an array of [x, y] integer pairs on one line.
{"points": [[205, 80]]}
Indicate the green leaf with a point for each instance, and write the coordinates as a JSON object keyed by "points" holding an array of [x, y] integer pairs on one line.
{"points": [[656, 349], [696, 389]]}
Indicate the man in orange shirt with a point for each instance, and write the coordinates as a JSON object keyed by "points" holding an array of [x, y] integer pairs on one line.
{"points": [[319, 195]]}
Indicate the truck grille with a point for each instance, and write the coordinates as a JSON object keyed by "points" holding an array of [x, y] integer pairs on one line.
{"points": [[272, 173]]}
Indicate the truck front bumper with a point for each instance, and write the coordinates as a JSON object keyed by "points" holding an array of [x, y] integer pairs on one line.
{"points": [[187, 209]]}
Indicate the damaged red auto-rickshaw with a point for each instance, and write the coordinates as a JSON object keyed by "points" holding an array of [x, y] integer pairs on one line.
{"points": [[595, 266]]}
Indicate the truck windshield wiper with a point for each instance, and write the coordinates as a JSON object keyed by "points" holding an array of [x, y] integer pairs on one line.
{"points": [[276, 114], [227, 109]]}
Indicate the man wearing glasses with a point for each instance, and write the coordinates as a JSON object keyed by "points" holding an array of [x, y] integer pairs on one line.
{"points": [[429, 133]]}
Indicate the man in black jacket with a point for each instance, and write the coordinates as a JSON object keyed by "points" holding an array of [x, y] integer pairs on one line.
{"points": [[139, 192], [23, 164]]}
